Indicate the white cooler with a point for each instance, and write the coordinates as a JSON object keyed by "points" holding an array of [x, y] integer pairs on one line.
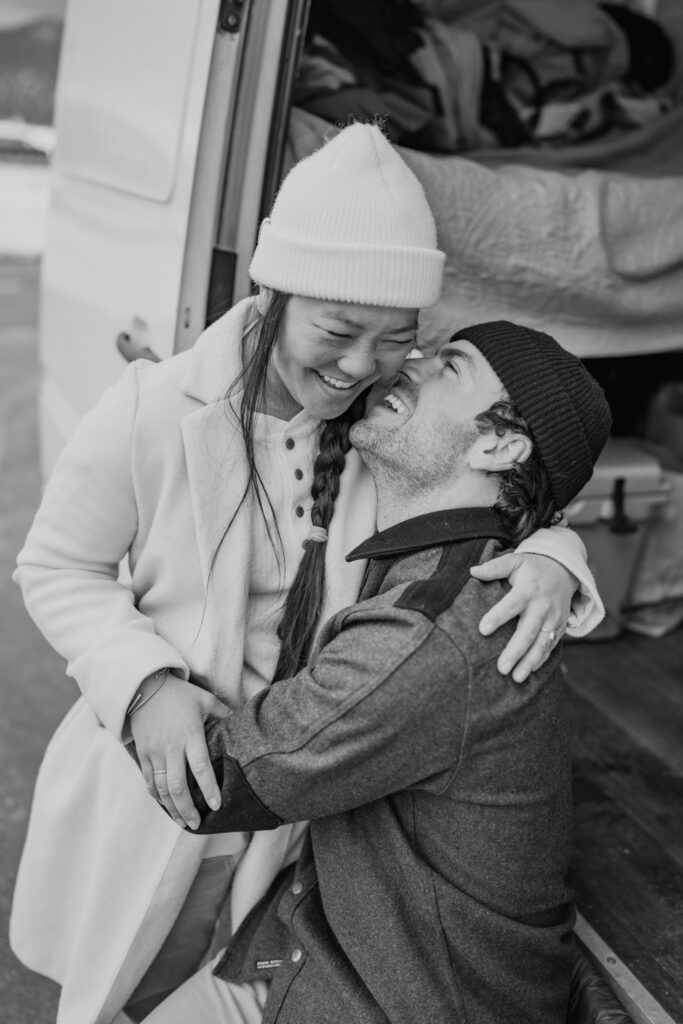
{"points": [[612, 514]]}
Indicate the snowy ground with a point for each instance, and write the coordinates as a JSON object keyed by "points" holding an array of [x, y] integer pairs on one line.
{"points": [[24, 198]]}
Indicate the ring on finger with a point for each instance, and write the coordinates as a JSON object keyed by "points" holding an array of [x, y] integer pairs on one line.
{"points": [[159, 771], [550, 633]]}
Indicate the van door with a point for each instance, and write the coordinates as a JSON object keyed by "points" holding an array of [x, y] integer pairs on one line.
{"points": [[147, 182], [256, 159]]}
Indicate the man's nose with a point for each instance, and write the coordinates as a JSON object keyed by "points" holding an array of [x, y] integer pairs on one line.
{"points": [[419, 370], [359, 360]]}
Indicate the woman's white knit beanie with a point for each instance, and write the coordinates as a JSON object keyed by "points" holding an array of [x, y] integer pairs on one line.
{"points": [[351, 223]]}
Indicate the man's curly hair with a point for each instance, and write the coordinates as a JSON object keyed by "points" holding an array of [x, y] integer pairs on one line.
{"points": [[525, 500]]}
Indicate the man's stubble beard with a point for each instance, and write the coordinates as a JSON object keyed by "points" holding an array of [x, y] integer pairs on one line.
{"points": [[413, 464]]}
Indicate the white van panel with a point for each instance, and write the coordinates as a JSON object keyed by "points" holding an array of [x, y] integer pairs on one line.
{"points": [[135, 57], [114, 256]]}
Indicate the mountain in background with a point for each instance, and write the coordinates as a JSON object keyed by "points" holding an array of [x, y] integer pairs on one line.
{"points": [[29, 58]]}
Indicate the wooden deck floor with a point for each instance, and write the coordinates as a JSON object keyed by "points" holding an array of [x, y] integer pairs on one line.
{"points": [[626, 699]]}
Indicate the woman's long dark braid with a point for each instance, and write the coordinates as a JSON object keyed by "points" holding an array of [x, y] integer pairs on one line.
{"points": [[302, 608]]}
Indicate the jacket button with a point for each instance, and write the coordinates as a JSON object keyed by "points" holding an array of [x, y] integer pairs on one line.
{"points": [[299, 511], [299, 474], [297, 888], [289, 443], [296, 956]]}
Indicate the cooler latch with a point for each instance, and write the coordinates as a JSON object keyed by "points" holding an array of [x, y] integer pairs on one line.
{"points": [[620, 522]]}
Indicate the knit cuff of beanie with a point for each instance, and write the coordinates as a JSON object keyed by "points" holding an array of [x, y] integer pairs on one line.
{"points": [[379, 275]]}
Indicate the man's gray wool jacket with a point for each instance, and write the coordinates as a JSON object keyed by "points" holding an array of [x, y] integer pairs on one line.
{"points": [[432, 885]]}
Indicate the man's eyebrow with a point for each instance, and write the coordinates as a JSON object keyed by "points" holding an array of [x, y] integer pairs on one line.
{"points": [[451, 349]]}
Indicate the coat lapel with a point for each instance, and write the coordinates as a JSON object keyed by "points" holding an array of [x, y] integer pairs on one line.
{"points": [[217, 473]]}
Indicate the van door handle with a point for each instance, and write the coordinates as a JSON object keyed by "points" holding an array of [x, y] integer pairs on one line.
{"points": [[132, 350]]}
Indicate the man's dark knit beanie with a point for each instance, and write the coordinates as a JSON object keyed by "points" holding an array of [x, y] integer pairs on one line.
{"points": [[564, 407]]}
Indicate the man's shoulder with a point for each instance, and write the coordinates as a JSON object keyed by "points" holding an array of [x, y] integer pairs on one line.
{"points": [[433, 589], [445, 580], [452, 603]]}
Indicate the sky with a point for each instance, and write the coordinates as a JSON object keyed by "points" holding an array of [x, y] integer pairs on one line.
{"points": [[17, 12]]}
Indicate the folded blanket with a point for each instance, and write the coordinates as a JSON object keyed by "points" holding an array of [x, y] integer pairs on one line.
{"points": [[595, 259]]}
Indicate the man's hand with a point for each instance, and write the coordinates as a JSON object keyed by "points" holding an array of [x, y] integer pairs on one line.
{"points": [[168, 732], [541, 597]]}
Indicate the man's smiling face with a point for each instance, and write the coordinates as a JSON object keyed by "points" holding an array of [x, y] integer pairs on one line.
{"points": [[424, 425]]}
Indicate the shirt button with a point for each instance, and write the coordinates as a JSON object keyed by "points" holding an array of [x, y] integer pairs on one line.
{"points": [[297, 888], [299, 511], [296, 956], [298, 473], [289, 443]]}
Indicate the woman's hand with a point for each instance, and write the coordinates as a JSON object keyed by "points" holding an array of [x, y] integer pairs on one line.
{"points": [[541, 596], [168, 731]]}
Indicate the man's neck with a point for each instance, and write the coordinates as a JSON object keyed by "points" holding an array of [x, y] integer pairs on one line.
{"points": [[397, 501]]}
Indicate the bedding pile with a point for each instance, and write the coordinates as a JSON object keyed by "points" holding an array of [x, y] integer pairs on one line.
{"points": [[580, 236]]}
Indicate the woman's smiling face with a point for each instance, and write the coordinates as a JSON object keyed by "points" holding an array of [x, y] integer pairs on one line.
{"points": [[329, 352]]}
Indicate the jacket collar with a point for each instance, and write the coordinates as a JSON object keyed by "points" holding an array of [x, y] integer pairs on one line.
{"points": [[432, 530], [215, 360]]}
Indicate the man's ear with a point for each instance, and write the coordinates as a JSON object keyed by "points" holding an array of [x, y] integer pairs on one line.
{"points": [[492, 453], [263, 298]]}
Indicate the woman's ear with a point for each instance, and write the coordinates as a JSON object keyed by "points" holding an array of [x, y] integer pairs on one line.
{"points": [[492, 453], [263, 299]]}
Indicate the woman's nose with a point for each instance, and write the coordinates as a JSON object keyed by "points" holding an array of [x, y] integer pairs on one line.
{"points": [[358, 361]]}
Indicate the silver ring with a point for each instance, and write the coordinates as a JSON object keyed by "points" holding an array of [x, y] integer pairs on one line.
{"points": [[159, 771], [550, 633]]}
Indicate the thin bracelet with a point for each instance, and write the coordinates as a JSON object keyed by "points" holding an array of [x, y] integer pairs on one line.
{"points": [[139, 701]]}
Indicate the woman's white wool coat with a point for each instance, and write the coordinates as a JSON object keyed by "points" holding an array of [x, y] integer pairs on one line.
{"points": [[156, 472]]}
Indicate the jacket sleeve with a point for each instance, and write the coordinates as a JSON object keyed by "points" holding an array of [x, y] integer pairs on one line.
{"points": [[566, 547], [345, 731], [68, 569]]}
